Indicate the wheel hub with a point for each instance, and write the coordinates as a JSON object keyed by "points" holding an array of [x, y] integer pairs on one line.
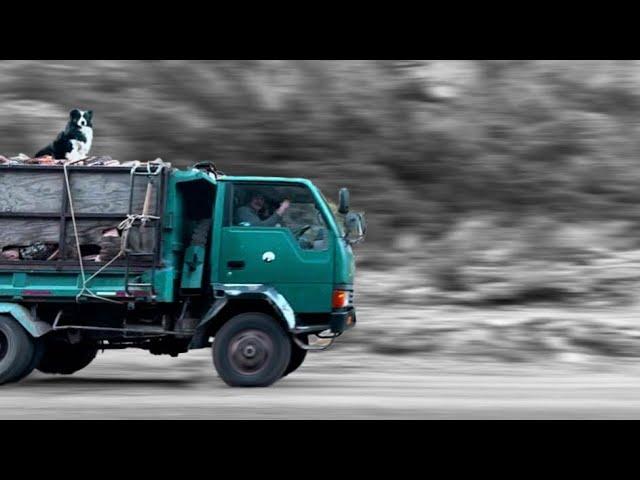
{"points": [[250, 351]]}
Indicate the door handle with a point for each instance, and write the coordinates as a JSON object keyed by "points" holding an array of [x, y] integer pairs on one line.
{"points": [[235, 264]]}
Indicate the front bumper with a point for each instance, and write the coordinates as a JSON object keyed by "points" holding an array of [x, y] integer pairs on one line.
{"points": [[337, 322], [342, 320]]}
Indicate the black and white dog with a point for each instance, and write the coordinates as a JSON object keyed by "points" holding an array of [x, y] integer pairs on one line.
{"points": [[74, 142]]}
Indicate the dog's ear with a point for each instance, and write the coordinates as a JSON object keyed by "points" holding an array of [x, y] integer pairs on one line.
{"points": [[74, 114], [88, 114]]}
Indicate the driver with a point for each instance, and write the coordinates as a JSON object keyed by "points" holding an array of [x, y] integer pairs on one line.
{"points": [[249, 212]]}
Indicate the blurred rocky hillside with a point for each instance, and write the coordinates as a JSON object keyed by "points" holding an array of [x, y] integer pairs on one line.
{"points": [[496, 180]]}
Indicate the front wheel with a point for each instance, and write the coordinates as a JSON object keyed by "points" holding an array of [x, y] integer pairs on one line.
{"points": [[251, 350]]}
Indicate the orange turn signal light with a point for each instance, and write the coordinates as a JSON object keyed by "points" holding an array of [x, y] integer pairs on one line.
{"points": [[340, 299]]}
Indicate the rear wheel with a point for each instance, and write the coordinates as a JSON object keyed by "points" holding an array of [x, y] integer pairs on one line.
{"points": [[65, 358], [251, 350], [297, 356], [16, 350], [38, 351]]}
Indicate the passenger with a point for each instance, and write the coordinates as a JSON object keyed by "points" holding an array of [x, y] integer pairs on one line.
{"points": [[249, 214]]}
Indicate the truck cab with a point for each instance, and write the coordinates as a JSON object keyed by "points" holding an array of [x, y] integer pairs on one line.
{"points": [[303, 254]]}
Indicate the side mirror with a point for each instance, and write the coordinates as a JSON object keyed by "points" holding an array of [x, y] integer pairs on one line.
{"points": [[343, 201]]}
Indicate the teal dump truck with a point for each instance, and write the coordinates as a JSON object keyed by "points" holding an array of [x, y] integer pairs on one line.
{"points": [[168, 260]]}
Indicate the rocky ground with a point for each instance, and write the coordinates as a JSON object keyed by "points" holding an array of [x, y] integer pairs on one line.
{"points": [[399, 315]]}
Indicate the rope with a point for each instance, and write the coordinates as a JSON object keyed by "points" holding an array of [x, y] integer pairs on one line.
{"points": [[125, 226]]}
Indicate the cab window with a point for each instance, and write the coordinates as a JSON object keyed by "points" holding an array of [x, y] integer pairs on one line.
{"points": [[285, 206]]}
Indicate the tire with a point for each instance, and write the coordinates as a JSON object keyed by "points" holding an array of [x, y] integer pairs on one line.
{"points": [[65, 358], [297, 356], [16, 350], [251, 350], [38, 351]]}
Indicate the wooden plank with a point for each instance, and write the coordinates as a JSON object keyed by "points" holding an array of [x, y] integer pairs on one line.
{"points": [[26, 232], [98, 193], [92, 192], [30, 191]]}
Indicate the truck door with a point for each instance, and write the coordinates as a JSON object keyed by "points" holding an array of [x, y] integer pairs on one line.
{"points": [[291, 252]]}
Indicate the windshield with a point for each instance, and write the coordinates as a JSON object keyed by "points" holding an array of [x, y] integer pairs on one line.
{"points": [[333, 208]]}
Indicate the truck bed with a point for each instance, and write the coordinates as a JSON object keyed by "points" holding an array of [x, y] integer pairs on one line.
{"points": [[34, 207]]}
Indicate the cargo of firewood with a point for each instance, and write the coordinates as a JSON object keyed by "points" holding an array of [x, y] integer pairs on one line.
{"points": [[36, 216]]}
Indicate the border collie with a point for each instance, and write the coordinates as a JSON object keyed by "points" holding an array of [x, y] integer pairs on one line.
{"points": [[74, 142]]}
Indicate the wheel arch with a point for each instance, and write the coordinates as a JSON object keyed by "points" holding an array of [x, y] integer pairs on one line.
{"points": [[237, 301], [36, 328]]}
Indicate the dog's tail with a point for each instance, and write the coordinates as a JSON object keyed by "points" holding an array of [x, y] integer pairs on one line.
{"points": [[48, 150]]}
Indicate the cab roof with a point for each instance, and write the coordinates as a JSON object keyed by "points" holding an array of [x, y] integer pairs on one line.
{"points": [[197, 174], [240, 178]]}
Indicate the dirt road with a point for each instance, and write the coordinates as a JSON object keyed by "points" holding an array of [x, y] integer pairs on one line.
{"points": [[342, 384]]}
